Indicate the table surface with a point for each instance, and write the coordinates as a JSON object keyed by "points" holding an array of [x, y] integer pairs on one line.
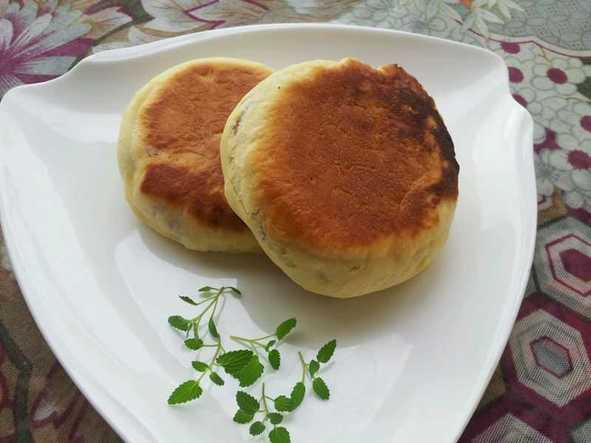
{"points": [[541, 390]]}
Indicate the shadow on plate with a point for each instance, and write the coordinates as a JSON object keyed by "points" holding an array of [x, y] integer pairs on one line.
{"points": [[270, 296]]}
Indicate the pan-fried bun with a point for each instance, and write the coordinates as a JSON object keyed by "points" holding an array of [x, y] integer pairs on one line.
{"points": [[169, 152], [345, 174]]}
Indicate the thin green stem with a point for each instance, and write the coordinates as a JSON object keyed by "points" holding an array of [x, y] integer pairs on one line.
{"points": [[201, 376], [195, 329], [247, 341], [212, 360], [263, 338], [240, 340], [200, 316], [264, 401], [213, 302], [304, 365], [217, 352], [215, 305]]}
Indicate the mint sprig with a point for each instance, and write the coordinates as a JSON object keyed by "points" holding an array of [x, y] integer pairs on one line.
{"points": [[211, 298], [264, 414], [249, 408], [312, 368], [191, 389]]}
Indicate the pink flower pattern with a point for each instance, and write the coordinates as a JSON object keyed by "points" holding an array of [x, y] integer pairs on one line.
{"points": [[38, 43], [540, 391]]}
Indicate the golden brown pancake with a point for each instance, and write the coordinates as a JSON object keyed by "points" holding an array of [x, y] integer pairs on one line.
{"points": [[346, 174], [169, 152]]}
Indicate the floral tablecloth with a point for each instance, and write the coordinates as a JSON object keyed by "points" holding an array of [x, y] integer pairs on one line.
{"points": [[541, 391]]}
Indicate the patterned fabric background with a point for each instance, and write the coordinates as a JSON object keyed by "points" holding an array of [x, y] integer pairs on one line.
{"points": [[541, 391]]}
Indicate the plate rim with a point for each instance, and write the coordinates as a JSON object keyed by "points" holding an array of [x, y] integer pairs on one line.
{"points": [[84, 381]]}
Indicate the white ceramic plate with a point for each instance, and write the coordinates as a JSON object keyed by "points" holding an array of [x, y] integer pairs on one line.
{"points": [[412, 362]]}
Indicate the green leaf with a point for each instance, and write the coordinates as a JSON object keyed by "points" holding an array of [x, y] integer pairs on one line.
{"points": [[180, 323], [268, 345], [200, 366], [187, 391], [242, 417], [256, 428], [320, 388], [279, 435], [212, 329], [275, 418], [313, 367], [234, 361], [274, 359], [285, 328], [251, 372], [242, 365], [326, 351], [235, 291], [297, 395], [193, 343], [206, 289], [188, 300], [283, 403], [247, 402], [214, 377]]}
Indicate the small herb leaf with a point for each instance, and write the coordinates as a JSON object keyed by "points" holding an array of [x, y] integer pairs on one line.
{"points": [[313, 367], [200, 366], [279, 435], [242, 417], [247, 402], [214, 377], [256, 428], [193, 343], [235, 291], [269, 345], [283, 403], [212, 329], [297, 395], [251, 372], [206, 289], [320, 388], [187, 391], [275, 418], [180, 323], [274, 359], [234, 361], [325, 353], [285, 328], [188, 300]]}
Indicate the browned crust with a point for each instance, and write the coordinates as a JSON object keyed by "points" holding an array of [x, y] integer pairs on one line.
{"points": [[181, 126], [351, 156]]}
